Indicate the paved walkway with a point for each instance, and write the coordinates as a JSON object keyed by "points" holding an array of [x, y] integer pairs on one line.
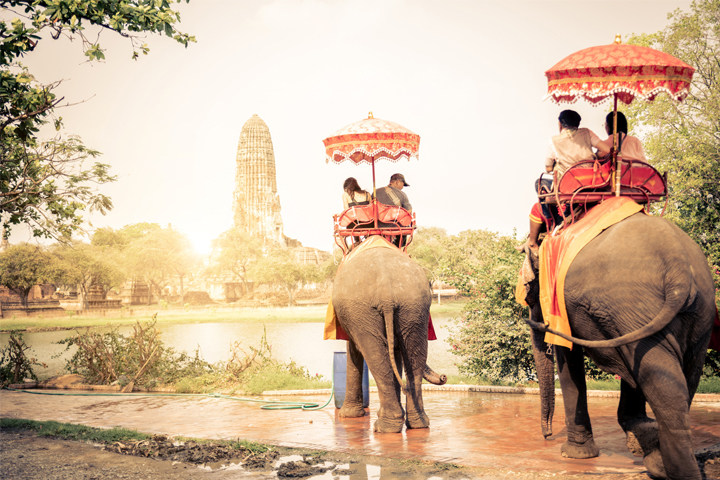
{"points": [[492, 430]]}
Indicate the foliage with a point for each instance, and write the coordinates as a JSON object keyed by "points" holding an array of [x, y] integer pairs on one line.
{"points": [[23, 266], [71, 431], [490, 336], [428, 250], [233, 252], [44, 184], [683, 139], [103, 358], [159, 256], [279, 267], [15, 365], [84, 265]]}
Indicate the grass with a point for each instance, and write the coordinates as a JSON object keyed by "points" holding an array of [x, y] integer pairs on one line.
{"points": [[221, 313], [71, 431]]}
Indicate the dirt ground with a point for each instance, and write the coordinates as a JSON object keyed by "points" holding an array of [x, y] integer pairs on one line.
{"points": [[27, 456]]}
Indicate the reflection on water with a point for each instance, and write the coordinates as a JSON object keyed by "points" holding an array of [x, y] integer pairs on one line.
{"points": [[301, 342]]}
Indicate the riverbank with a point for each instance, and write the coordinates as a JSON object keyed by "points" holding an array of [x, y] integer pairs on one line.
{"points": [[225, 313]]}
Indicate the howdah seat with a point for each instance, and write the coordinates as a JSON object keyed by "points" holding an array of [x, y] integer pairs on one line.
{"points": [[591, 181], [360, 221]]}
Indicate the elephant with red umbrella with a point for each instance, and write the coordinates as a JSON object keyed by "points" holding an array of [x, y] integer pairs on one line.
{"points": [[633, 291]]}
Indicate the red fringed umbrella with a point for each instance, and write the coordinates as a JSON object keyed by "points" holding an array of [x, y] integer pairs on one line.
{"points": [[621, 72], [618, 71], [370, 140]]}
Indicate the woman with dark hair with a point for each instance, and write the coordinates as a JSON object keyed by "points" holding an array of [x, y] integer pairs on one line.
{"points": [[629, 147], [353, 194]]}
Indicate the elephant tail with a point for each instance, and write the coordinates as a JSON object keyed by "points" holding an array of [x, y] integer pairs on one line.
{"points": [[390, 331], [676, 294]]}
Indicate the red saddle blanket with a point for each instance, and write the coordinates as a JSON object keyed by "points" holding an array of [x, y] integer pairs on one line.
{"points": [[558, 251]]}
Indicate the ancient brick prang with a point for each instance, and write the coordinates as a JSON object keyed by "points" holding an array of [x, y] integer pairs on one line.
{"points": [[256, 204]]}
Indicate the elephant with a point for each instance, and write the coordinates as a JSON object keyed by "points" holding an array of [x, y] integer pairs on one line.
{"points": [[382, 301], [640, 301]]}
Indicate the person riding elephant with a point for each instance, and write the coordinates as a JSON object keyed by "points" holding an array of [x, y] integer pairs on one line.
{"points": [[640, 301], [382, 301]]}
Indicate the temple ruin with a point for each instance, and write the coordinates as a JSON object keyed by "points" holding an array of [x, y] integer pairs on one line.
{"points": [[256, 204]]}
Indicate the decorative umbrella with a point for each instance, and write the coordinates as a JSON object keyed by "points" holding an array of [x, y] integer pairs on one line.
{"points": [[621, 72], [370, 140]]}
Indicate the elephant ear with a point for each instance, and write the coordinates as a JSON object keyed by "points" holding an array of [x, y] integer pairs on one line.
{"points": [[527, 271]]}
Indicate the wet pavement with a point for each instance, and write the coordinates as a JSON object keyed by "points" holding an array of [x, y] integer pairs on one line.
{"points": [[490, 430]]}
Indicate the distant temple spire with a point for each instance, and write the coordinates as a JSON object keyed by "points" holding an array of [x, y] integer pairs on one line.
{"points": [[256, 204]]}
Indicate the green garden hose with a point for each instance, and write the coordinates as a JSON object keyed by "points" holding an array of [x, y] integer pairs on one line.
{"points": [[273, 405]]}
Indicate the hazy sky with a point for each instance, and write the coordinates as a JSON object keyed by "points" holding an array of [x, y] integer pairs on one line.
{"points": [[467, 76]]}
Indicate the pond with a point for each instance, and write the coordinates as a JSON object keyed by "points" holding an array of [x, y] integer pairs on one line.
{"points": [[301, 342]]}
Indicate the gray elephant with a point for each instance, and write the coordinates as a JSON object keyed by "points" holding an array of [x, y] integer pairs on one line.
{"points": [[641, 303], [382, 301]]}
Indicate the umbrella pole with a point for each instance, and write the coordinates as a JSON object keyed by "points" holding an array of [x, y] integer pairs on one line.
{"points": [[375, 209], [616, 159]]}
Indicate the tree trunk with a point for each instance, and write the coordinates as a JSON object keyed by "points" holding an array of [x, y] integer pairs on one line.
{"points": [[83, 295], [290, 296], [182, 290]]}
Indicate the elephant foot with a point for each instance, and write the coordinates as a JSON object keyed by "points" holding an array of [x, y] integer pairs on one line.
{"points": [[352, 411], [642, 437], [417, 420], [654, 464], [584, 450], [385, 425]]}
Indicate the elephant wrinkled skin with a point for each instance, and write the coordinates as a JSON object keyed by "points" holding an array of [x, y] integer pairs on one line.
{"points": [[382, 300], [645, 281]]}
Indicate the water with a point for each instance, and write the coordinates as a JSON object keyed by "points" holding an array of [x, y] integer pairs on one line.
{"points": [[301, 342]]}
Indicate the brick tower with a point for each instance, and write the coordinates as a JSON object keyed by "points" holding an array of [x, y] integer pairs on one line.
{"points": [[256, 204]]}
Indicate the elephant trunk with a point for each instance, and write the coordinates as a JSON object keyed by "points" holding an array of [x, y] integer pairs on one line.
{"points": [[431, 376], [545, 367]]}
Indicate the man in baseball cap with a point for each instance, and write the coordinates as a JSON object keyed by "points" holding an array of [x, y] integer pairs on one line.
{"points": [[393, 194]]}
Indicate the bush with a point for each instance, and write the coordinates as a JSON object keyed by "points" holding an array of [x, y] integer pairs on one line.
{"points": [[15, 365], [490, 336]]}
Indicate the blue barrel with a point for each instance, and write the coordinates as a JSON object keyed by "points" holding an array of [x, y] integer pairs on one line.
{"points": [[340, 379]]}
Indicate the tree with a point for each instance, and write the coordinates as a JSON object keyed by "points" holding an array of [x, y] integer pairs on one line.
{"points": [[233, 252], [86, 265], [159, 255], [491, 337], [427, 249], [23, 266], [43, 184], [278, 267], [684, 139]]}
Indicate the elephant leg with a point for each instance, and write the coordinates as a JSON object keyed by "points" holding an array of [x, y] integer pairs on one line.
{"points": [[391, 415], [571, 369], [353, 404], [545, 368], [415, 364], [665, 388], [640, 430]]}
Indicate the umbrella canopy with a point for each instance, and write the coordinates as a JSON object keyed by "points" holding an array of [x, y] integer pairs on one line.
{"points": [[626, 71], [370, 140]]}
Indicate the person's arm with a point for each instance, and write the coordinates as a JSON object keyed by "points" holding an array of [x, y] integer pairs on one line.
{"points": [[601, 146], [550, 158]]}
